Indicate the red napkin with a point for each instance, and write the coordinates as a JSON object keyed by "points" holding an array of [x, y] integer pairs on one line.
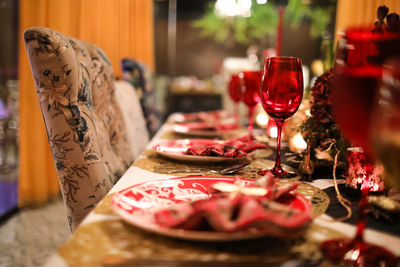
{"points": [[207, 126], [231, 148], [227, 213]]}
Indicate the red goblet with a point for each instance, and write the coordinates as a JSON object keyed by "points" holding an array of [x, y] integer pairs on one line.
{"points": [[281, 95], [235, 92], [251, 81], [357, 74]]}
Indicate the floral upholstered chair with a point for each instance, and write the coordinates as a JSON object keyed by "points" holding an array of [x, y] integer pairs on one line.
{"points": [[140, 76], [132, 112], [85, 127]]}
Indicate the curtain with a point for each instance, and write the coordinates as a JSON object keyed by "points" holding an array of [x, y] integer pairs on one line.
{"points": [[122, 28], [360, 12]]}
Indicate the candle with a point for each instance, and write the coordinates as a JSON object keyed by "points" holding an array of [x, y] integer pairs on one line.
{"points": [[297, 143], [357, 176]]}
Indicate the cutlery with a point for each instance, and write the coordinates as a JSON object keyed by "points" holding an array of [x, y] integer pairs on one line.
{"points": [[233, 169]]}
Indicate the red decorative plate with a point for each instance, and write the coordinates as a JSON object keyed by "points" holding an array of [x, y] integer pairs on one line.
{"points": [[137, 205], [174, 150]]}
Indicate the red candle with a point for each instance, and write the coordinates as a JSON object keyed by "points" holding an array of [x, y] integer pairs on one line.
{"points": [[357, 177]]}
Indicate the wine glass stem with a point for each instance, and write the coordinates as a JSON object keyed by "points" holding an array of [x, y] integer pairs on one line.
{"points": [[362, 215], [237, 112], [362, 218], [250, 128], [279, 124]]}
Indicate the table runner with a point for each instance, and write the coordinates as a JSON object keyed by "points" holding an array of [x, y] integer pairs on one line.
{"points": [[100, 240]]}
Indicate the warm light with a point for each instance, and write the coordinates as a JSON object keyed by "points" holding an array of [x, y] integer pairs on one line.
{"points": [[356, 172], [231, 8], [297, 143], [262, 119], [273, 132]]}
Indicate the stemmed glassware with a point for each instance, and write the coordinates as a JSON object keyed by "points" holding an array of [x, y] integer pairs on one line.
{"points": [[357, 74], [235, 92], [250, 81], [281, 95], [385, 123]]}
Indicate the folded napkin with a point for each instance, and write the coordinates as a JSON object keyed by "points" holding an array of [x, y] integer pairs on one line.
{"points": [[239, 210], [232, 148]]}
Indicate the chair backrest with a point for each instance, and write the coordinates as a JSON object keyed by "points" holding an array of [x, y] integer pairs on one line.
{"points": [[135, 123], [85, 127], [140, 76]]}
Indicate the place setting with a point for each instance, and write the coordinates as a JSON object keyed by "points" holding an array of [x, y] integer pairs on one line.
{"points": [[214, 208]]}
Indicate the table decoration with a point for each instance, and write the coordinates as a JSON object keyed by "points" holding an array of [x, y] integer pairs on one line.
{"points": [[129, 243], [357, 165], [241, 206], [205, 128], [156, 164], [281, 94], [157, 205], [209, 150], [320, 129], [250, 86], [152, 162], [115, 239], [357, 75], [235, 92]]}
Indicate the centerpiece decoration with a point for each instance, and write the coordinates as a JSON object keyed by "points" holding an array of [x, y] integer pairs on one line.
{"points": [[264, 206], [320, 129], [327, 146]]}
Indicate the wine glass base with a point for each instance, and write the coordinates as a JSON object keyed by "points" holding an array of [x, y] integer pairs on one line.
{"points": [[351, 252], [277, 172]]}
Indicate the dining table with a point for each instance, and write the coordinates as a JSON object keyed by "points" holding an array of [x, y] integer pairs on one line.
{"points": [[105, 238]]}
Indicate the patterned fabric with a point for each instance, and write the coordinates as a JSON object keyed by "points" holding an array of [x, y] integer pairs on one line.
{"points": [[140, 76], [85, 127], [134, 120]]}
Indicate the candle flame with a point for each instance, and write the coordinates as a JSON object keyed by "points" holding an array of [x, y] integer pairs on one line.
{"points": [[298, 142], [273, 132], [262, 119]]}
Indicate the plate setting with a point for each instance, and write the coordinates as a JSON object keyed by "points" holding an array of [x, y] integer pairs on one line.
{"points": [[139, 204], [176, 149], [205, 128]]}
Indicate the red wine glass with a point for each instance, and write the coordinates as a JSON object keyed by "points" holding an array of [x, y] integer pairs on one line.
{"points": [[281, 95], [385, 123], [250, 81], [357, 74], [235, 92]]}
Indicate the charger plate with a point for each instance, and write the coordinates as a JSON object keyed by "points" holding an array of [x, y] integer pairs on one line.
{"points": [[138, 204]]}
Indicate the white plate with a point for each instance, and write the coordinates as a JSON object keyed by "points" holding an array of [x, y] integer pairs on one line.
{"points": [[138, 204], [175, 149]]}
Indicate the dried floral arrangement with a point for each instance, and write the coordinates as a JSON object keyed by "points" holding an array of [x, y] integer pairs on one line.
{"points": [[320, 129], [392, 23], [322, 133]]}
